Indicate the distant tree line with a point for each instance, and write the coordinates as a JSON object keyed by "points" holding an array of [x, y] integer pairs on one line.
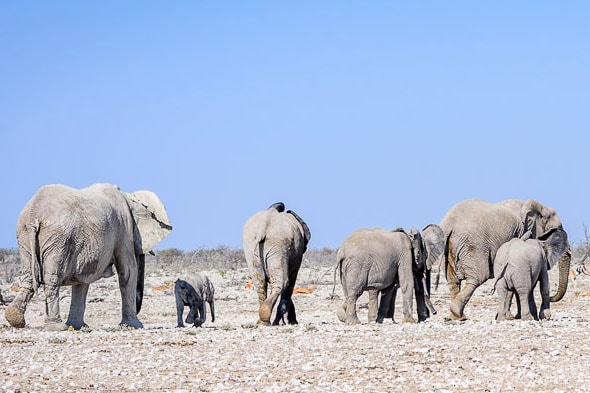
{"points": [[223, 258], [176, 260]]}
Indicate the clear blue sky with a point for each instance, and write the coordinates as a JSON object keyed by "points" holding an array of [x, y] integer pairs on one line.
{"points": [[353, 113]]}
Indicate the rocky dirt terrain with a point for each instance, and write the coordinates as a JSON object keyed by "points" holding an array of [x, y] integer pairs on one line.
{"points": [[319, 355]]}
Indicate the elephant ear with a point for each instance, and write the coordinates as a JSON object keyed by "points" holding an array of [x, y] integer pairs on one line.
{"points": [[279, 206], [420, 252], [529, 215], [434, 241], [555, 244], [306, 231], [150, 218]]}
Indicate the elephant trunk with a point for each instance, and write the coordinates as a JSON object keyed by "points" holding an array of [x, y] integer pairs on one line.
{"points": [[564, 269], [140, 282], [212, 308]]}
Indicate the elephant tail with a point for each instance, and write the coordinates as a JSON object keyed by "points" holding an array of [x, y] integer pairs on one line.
{"points": [[36, 266], [258, 251], [444, 256], [502, 273], [337, 268]]}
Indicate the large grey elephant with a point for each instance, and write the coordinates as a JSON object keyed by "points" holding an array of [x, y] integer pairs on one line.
{"points": [[379, 260], [520, 264], [75, 237], [274, 243], [194, 292], [474, 231]]}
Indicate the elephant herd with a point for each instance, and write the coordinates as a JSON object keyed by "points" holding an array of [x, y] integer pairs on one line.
{"points": [[74, 237]]}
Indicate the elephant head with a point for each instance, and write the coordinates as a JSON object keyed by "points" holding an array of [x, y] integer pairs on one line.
{"points": [[555, 244], [542, 220], [538, 218], [151, 226]]}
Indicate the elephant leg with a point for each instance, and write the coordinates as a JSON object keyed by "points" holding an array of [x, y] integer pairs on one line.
{"points": [[199, 314], [53, 321], [212, 308], [503, 300], [192, 314], [373, 304], [545, 312], [421, 295], [341, 312], [78, 306], [406, 282], [15, 311], [525, 306], [286, 305], [452, 281], [277, 283], [266, 308], [282, 309], [532, 305], [351, 316], [291, 315], [510, 299], [127, 269], [458, 303], [386, 303]]}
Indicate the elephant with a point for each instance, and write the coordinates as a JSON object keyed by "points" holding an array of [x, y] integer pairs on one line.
{"points": [[194, 293], [380, 261], [274, 242], [522, 262], [475, 229], [74, 237]]}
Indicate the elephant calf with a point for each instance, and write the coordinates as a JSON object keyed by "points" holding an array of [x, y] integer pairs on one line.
{"points": [[519, 265], [194, 293]]}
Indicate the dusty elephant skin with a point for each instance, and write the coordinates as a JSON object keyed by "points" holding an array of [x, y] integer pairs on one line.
{"points": [[274, 243], [75, 237], [474, 231], [379, 261]]}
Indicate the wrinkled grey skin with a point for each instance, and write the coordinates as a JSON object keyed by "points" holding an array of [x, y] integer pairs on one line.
{"points": [[474, 231], [194, 292], [380, 261], [75, 237], [519, 265], [274, 242]]}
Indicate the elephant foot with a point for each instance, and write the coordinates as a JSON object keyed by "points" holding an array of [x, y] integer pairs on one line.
{"points": [[545, 314], [264, 313], [341, 314], [15, 317], [132, 323], [353, 320], [457, 312], [263, 323], [55, 326], [409, 319], [76, 325], [454, 317]]}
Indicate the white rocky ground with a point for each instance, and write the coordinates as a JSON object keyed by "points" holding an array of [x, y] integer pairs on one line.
{"points": [[318, 355]]}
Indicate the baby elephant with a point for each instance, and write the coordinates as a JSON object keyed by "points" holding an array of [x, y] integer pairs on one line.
{"points": [[519, 265], [194, 293]]}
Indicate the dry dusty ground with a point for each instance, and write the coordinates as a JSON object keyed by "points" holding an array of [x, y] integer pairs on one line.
{"points": [[320, 354]]}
